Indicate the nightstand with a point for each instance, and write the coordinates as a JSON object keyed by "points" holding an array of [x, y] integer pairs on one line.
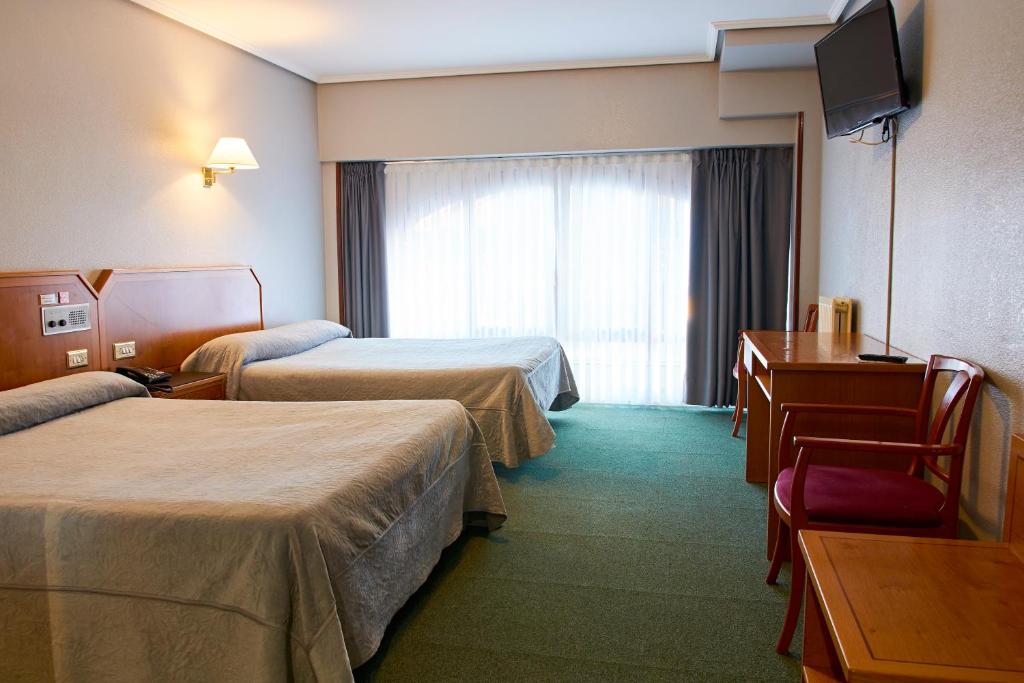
{"points": [[207, 386]]}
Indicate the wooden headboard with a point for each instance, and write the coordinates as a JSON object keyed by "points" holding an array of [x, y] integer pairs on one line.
{"points": [[170, 312], [26, 354]]}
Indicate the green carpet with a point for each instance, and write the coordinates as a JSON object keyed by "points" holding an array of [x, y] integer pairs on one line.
{"points": [[633, 552]]}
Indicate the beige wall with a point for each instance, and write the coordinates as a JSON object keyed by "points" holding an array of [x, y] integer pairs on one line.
{"points": [[107, 112], [635, 108], [959, 202]]}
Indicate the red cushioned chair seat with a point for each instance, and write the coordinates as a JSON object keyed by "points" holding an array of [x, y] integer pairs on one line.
{"points": [[864, 496]]}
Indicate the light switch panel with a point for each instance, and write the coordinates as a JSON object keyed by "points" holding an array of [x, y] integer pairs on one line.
{"points": [[124, 350], [78, 358]]}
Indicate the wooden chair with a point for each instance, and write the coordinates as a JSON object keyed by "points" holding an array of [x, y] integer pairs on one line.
{"points": [[814, 496], [739, 371]]}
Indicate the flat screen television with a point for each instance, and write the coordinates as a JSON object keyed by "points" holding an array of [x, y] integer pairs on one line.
{"points": [[860, 72]]}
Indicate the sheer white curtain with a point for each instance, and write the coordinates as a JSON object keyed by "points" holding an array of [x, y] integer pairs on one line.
{"points": [[592, 250]]}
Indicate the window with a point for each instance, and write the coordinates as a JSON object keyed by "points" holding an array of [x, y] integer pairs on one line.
{"points": [[591, 250]]}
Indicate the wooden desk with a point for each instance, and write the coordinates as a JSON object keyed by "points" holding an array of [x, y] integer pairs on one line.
{"points": [[892, 608], [807, 367]]}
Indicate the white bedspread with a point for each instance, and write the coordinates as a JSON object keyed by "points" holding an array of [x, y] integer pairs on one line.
{"points": [[507, 384], [148, 539]]}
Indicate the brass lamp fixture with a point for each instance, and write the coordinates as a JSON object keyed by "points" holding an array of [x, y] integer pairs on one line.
{"points": [[228, 155]]}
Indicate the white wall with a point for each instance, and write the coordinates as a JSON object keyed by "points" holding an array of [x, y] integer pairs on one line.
{"points": [[107, 111], [957, 285]]}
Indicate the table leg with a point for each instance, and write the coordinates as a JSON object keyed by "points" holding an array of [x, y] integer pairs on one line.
{"points": [[819, 653], [758, 424]]}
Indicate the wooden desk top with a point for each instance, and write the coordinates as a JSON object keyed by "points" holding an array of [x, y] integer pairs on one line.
{"points": [[906, 609], [825, 351]]}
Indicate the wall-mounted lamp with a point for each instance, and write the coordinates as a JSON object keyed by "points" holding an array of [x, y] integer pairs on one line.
{"points": [[228, 155]]}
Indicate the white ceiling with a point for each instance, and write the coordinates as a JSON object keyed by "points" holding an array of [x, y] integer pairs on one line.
{"points": [[331, 41]]}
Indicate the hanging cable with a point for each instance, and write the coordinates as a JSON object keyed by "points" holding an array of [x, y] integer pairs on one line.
{"points": [[892, 130], [889, 127]]}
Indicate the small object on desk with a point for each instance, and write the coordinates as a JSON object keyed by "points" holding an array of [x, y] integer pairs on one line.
{"points": [[208, 386], [882, 358]]}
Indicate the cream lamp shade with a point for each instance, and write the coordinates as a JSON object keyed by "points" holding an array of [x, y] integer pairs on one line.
{"points": [[229, 155], [232, 153]]}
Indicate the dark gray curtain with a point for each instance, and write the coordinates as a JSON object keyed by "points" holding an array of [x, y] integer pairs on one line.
{"points": [[740, 211], [361, 256]]}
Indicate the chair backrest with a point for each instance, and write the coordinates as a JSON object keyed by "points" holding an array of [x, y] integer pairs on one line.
{"points": [[811, 321], [962, 393]]}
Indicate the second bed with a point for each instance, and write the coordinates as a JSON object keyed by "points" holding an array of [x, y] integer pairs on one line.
{"points": [[506, 384]]}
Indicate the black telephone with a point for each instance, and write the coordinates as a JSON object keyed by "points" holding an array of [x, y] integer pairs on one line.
{"points": [[147, 376]]}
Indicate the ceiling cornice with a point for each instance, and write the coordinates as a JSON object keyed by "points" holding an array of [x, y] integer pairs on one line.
{"points": [[715, 29], [517, 68]]}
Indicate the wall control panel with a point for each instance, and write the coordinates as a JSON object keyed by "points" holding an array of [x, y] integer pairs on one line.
{"points": [[64, 319]]}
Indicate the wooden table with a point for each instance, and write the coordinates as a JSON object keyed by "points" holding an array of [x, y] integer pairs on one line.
{"points": [[893, 608], [807, 367]]}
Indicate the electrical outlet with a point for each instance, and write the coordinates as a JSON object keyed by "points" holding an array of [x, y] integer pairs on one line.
{"points": [[124, 350], [78, 358]]}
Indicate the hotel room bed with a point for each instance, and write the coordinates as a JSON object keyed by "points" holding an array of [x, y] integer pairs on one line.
{"points": [[506, 384], [208, 540]]}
